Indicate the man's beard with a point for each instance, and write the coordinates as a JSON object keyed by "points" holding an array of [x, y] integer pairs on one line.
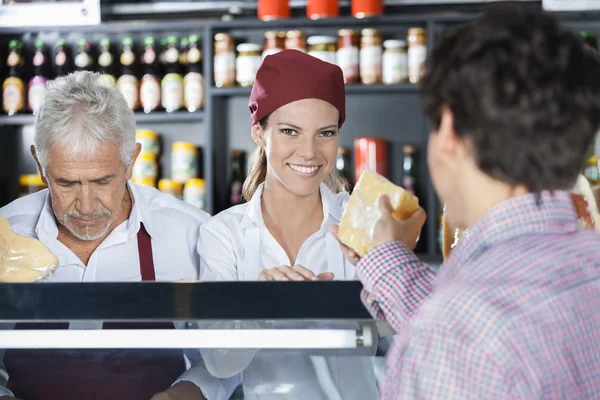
{"points": [[87, 235]]}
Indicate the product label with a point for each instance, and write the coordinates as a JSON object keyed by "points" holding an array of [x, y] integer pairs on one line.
{"points": [[224, 68], [149, 93], [105, 59], [246, 67], [60, 58], [149, 56], [347, 60], [127, 57], [129, 86], [193, 96], [82, 60], [13, 59], [37, 93], [193, 55], [13, 95], [144, 169], [327, 56], [416, 61], [38, 58], [394, 67], [370, 62], [107, 79], [172, 92], [172, 55]]}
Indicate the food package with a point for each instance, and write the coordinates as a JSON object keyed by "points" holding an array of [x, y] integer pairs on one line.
{"points": [[358, 221], [23, 259]]}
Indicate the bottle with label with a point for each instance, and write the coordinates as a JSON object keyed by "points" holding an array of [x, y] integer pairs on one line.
{"points": [[295, 40], [417, 53], [193, 82], [274, 43], [172, 82], [370, 57], [322, 47], [237, 178], [37, 83], [184, 45], [13, 88], [106, 62], [224, 62], [128, 81], [394, 62], [62, 65], [347, 55], [408, 177], [150, 84], [247, 63], [83, 58], [343, 167]]}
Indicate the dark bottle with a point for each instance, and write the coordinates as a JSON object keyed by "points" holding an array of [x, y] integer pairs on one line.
{"points": [[238, 176], [150, 85], [37, 83], [13, 87], [193, 81], [408, 176], [83, 59], [343, 167], [106, 62], [172, 82], [62, 65], [128, 81]]}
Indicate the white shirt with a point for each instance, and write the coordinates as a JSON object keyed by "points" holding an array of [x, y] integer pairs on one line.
{"points": [[236, 245], [174, 227]]}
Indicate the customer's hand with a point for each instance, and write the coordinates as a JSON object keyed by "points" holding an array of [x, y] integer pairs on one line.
{"points": [[183, 390], [388, 229], [350, 254], [295, 273]]}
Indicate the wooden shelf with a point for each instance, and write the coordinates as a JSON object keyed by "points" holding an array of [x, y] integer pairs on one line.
{"points": [[179, 116]]}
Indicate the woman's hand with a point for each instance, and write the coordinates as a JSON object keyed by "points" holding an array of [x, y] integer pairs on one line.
{"points": [[295, 273]]}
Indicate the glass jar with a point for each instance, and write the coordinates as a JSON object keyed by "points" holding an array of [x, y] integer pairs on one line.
{"points": [[149, 140], [194, 193], [317, 9], [247, 63], [269, 10], [417, 53], [184, 162], [366, 8], [322, 47], [151, 182], [30, 183], [171, 187], [295, 40], [370, 56], [348, 55], [224, 61], [145, 167], [394, 62], [274, 43]]}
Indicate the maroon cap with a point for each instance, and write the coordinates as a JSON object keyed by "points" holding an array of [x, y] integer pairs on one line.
{"points": [[292, 75]]}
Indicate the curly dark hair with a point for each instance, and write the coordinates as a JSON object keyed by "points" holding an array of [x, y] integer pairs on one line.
{"points": [[524, 92]]}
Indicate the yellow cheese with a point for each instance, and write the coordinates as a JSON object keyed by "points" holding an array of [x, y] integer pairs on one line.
{"points": [[358, 221], [23, 259]]}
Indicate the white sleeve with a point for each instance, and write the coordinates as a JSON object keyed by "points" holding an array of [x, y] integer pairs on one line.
{"points": [[217, 258], [212, 388]]}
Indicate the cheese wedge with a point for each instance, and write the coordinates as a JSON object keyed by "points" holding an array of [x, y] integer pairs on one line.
{"points": [[23, 259], [358, 221]]}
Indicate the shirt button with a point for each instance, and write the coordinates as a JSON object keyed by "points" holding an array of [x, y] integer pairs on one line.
{"points": [[370, 300]]}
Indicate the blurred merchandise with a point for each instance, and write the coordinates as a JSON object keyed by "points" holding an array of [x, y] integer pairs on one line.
{"points": [[370, 56], [144, 181], [274, 43], [62, 65], [238, 175], [322, 47], [184, 162], [150, 92], [316, 9], [193, 82], [395, 58], [106, 62], [224, 60], [128, 82], [145, 166], [408, 175], [37, 83], [247, 63], [171, 187], [370, 153], [343, 167], [589, 39], [172, 82], [417, 53], [347, 55], [269, 10], [366, 8], [194, 192], [592, 172], [13, 88], [83, 59], [149, 140], [30, 183], [295, 40]]}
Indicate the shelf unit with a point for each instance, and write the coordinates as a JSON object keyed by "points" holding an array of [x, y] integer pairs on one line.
{"points": [[392, 112]]}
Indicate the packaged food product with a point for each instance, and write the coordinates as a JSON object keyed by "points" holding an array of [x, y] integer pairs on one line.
{"points": [[358, 221], [23, 259]]}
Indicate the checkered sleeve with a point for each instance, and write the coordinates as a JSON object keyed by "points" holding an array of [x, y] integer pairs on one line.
{"points": [[395, 282], [442, 365]]}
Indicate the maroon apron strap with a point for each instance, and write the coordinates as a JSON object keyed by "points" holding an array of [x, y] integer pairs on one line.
{"points": [[145, 253]]}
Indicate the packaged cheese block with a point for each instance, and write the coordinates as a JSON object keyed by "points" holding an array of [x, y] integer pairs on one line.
{"points": [[23, 259], [358, 221]]}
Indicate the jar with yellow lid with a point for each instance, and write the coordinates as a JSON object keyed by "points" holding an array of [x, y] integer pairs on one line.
{"points": [[184, 161], [322, 47], [171, 187], [247, 63], [144, 181], [30, 183], [145, 167], [417, 53], [370, 58], [194, 193], [149, 140], [592, 171]]}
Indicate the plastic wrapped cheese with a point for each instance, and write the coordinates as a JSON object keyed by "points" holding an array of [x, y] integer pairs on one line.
{"points": [[23, 259], [358, 221]]}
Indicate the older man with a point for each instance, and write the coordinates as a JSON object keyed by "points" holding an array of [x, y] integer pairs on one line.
{"points": [[103, 228]]}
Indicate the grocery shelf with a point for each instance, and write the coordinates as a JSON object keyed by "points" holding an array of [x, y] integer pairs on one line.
{"points": [[350, 89], [179, 116]]}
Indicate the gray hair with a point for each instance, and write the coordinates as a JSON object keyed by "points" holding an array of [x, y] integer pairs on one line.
{"points": [[79, 114]]}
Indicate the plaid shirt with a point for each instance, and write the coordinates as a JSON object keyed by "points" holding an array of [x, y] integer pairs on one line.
{"points": [[515, 313]]}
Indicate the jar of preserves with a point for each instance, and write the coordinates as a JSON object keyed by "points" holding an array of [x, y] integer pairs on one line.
{"points": [[347, 55], [269, 10], [171, 187], [316, 9], [194, 193], [145, 167], [322, 47], [149, 140], [144, 181], [30, 183], [247, 63], [224, 61], [417, 53], [184, 162], [274, 43], [370, 56], [394, 62], [295, 40]]}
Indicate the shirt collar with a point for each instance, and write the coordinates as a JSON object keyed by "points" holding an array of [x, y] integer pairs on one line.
{"points": [[253, 214], [518, 217]]}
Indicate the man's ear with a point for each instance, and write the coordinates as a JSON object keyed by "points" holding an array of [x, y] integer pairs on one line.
{"points": [[258, 135], [39, 166], [134, 156], [447, 138]]}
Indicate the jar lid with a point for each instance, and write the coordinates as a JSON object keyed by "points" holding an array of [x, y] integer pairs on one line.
{"points": [[148, 157], [346, 31], [416, 31], [183, 146], [222, 36], [370, 31], [195, 182], [144, 181], [248, 47], [592, 160], [295, 33], [313, 40], [168, 184], [394, 44], [270, 34], [31, 180], [147, 134]]}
